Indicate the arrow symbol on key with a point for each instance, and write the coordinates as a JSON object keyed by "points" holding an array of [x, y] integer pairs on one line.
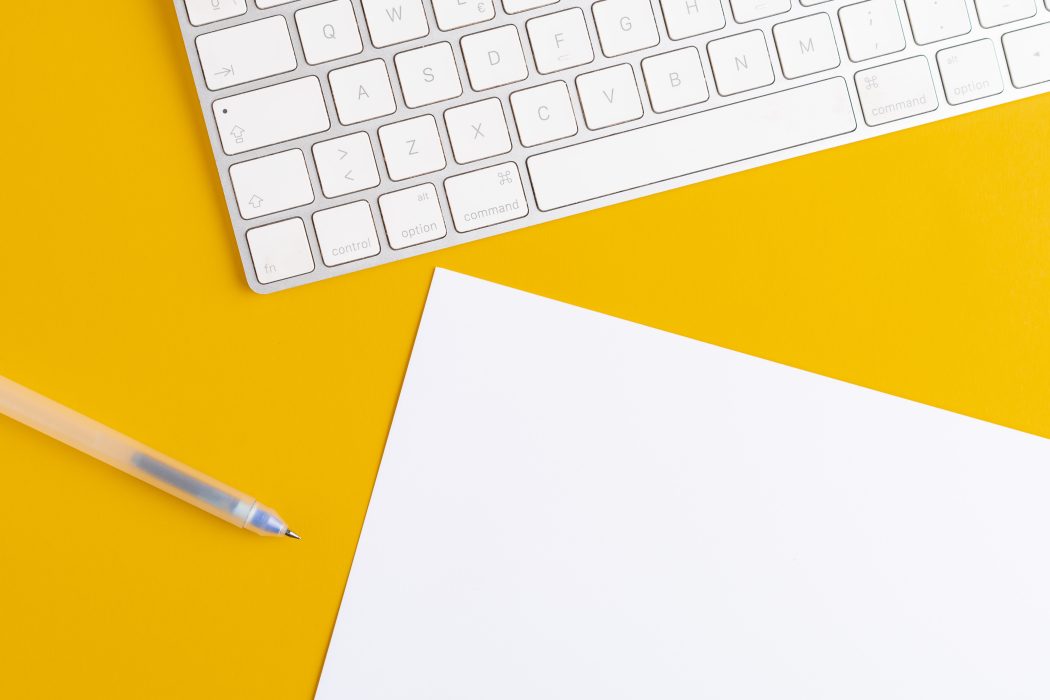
{"points": [[226, 72], [343, 153]]}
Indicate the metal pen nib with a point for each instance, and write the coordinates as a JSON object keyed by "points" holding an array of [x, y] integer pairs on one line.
{"points": [[289, 533]]}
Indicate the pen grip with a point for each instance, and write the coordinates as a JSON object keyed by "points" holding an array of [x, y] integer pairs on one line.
{"points": [[117, 450]]}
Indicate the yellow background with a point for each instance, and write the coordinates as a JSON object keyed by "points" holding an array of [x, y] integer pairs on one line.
{"points": [[917, 263]]}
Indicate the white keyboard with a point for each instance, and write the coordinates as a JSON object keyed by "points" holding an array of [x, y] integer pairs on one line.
{"points": [[350, 133]]}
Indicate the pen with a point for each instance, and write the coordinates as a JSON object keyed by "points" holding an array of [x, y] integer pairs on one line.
{"points": [[109, 446]]}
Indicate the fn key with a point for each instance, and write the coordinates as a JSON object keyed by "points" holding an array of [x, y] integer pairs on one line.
{"points": [[280, 251]]}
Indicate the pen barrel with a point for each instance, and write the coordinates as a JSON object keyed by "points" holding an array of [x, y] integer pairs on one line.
{"points": [[117, 450]]}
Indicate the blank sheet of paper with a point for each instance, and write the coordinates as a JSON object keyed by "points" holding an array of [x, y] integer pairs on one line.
{"points": [[571, 506]]}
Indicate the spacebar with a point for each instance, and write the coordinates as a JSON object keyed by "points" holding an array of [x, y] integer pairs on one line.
{"points": [[689, 144]]}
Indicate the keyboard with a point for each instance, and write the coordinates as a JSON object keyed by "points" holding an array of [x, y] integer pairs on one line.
{"points": [[351, 133]]}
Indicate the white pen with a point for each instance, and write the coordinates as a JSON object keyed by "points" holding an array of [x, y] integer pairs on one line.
{"points": [[109, 446]]}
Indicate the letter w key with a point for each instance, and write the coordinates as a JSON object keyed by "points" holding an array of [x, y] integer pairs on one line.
{"points": [[395, 21]]}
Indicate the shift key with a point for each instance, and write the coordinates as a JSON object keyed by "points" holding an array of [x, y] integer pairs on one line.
{"points": [[896, 91], [486, 197]]}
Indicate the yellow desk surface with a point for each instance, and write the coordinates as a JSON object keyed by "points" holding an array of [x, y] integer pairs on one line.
{"points": [[917, 263]]}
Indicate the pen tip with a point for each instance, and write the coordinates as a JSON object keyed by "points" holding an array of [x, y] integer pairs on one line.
{"points": [[289, 533]]}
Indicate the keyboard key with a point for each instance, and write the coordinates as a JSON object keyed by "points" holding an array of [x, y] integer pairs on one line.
{"points": [[686, 18], [271, 115], [691, 144], [245, 53], [412, 147], [412, 216], [934, 20], [543, 114], [740, 62], [515, 6], [810, 3], [208, 11], [1028, 55], [970, 71], [280, 251], [329, 31], [806, 46], [993, 13], [494, 58], [395, 21], [609, 96], [560, 40], [871, 29], [346, 234], [453, 14], [477, 130], [750, 10], [272, 183], [625, 26], [896, 91], [675, 79], [486, 197], [362, 92], [266, 4], [346, 164], [428, 75]]}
